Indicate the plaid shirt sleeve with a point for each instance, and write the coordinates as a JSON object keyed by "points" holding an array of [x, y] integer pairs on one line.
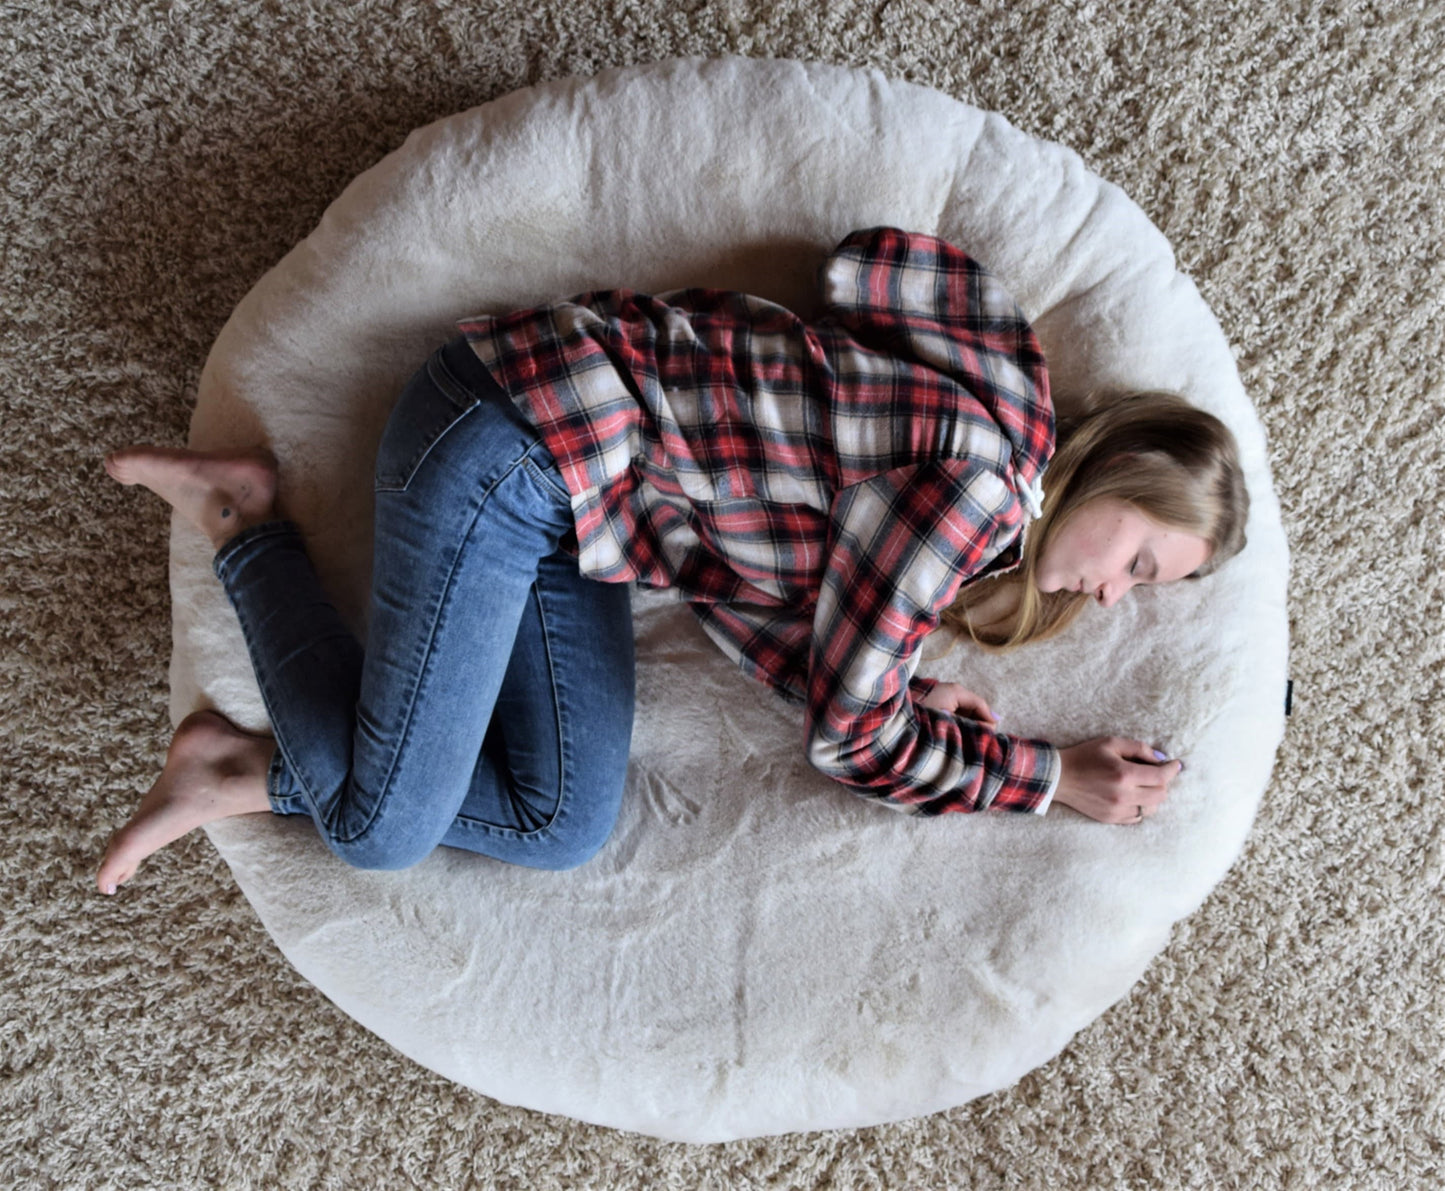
{"points": [[919, 298], [769, 644], [901, 543]]}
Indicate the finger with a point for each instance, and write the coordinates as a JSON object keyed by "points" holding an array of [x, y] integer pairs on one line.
{"points": [[1133, 778], [977, 708], [1143, 810], [1147, 794], [1151, 777], [1118, 806], [1151, 799], [934, 700], [1126, 804], [1137, 750], [1162, 775]]}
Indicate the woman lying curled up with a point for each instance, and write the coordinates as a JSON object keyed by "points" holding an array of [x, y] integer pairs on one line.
{"points": [[821, 493]]}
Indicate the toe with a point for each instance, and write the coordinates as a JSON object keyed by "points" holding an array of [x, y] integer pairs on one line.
{"points": [[118, 465], [114, 869], [112, 876]]}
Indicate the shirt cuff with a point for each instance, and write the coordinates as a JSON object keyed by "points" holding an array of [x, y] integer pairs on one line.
{"points": [[1030, 779], [1056, 771], [920, 688]]}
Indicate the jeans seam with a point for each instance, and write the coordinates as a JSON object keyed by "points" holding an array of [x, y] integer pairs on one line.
{"points": [[429, 651], [273, 771], [283, 755], [540, 473], [255, 533], [394, 483], [563, 786], [457, 389], [463, 402], [446, 379]]}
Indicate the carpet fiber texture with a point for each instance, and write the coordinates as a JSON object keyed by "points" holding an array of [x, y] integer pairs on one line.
{"points": [[159, 157]]}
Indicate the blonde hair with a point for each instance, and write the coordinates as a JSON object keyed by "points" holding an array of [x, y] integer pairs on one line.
{"points": [[1180, 469]]}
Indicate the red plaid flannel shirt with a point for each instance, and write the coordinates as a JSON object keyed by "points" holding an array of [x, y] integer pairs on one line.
{"points": [[816, 491]]}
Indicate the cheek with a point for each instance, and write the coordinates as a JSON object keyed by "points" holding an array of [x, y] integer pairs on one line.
{"points": [[1060, 555], [1099, 548]]}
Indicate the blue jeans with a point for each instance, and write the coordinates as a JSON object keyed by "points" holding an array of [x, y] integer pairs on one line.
{"points": [[491, 709]]}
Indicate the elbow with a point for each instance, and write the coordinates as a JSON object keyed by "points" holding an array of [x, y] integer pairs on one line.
{"points": [[845, 761], [856, 768], [826, 757]]}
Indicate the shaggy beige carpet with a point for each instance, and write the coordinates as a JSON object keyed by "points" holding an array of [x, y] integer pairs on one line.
{"points": [[159, 157]]}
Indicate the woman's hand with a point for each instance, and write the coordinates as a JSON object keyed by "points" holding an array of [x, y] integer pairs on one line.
{"points": [[949, 696], [1115, 780]]}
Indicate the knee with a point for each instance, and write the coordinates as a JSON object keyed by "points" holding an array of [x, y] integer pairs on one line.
{"points": [[378, 862], [375, 852], [578, 831], [572, 849]]}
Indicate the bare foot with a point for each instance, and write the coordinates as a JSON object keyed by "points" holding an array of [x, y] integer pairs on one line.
{"points": [[213, 770], [220, 492]]}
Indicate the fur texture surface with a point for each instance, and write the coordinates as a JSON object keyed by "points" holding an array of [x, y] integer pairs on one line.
{"points": [[819, 963]]}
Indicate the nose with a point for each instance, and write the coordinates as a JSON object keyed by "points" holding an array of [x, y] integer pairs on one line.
{"points": [[1110, 594]]}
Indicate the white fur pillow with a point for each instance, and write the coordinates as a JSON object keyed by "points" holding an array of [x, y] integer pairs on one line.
{"points": [[755, 950]]}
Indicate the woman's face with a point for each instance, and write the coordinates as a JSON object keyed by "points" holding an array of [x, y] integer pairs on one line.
{"points": [[1108, 546]]}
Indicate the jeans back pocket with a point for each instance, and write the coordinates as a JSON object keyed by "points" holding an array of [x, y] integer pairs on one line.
{"points": [[430, 405]]}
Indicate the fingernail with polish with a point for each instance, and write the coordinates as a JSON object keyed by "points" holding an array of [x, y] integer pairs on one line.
{"points": [[1158, 756]]}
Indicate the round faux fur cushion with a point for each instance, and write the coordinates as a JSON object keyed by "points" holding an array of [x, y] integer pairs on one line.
{"points": [[755, 950]]}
